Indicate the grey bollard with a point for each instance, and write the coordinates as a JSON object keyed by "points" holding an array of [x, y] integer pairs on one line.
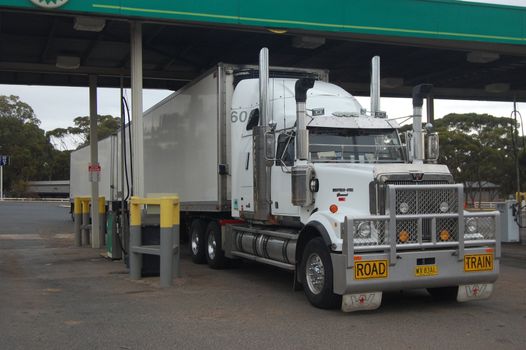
{"points": [[135, 258], [167, 256]]}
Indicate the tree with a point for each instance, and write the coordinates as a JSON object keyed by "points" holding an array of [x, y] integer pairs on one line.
{"points": [[106, 126], [12, 107], [478, 148], [32, 154]]}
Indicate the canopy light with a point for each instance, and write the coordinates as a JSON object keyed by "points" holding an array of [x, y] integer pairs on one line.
{"points": [[68, 62], [482, 57], [497, 88], [89, 24], [307, 42]]}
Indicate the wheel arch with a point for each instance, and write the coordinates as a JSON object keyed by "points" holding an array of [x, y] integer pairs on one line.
{"points": [[312, 230]]}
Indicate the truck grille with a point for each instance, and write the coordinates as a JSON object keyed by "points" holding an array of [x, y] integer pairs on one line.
{"points": [[428, 201], [420, 217]]}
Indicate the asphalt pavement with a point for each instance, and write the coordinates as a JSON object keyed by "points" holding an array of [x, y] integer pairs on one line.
{"points": [[56, 296]]}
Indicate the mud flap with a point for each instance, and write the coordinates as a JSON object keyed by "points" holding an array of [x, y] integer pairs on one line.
{"points": [[470, 292], [362, 301]]}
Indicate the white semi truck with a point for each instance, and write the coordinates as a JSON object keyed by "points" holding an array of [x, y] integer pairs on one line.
{"points": [[281, 167]]}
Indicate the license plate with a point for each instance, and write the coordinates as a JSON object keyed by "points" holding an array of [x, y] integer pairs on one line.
{"points": [[426, 270], [478, 262], [368, 269]]}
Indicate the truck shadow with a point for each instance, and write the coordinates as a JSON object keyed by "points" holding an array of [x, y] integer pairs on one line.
{"points": [[251, 275]]}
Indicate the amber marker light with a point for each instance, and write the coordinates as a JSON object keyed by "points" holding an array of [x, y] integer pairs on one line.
{"points": [[333, 208], [403, 236], [444, 235]]}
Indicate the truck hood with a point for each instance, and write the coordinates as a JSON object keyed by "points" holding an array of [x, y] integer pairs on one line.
{"points": [[384, 169]]}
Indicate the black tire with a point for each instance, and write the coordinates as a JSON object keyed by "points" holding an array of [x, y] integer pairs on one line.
{"points": [[320, 295], [197, 241], [444, 293], [215, 256]]}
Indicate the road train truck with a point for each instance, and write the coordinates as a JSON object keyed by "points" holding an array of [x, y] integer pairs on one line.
{"points": [[279, 166]]}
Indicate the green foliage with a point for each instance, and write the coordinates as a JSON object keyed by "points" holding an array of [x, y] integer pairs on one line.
{"points": [[478, 148], [32, 155], [106, 126], [12, 107]]}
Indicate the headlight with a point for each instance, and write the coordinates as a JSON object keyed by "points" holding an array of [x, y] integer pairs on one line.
{"points": [[444, 207], [404, 207], [364, 230], [471, 225]]}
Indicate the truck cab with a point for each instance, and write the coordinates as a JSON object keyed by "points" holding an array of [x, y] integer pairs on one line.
{"points": [[350, 209]]}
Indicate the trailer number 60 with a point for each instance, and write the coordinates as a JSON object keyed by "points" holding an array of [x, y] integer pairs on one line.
{"points": [[241, 117]]}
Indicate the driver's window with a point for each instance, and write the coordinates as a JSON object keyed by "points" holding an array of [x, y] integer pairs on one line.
{"points": [[285, 151]]}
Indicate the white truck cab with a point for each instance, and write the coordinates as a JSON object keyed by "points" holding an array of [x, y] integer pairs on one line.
{"points": [[329, 191]]}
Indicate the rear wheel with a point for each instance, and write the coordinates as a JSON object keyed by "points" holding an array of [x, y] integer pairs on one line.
{"points": [[444, 293], [197, 241], [317, 275], [215, 256]]}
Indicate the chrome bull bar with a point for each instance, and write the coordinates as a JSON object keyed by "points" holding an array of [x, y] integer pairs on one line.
{"points": [[386, 238]]}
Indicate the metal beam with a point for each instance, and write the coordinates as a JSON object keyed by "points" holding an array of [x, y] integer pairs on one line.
{"points": [[359, 89], [39, 68]]}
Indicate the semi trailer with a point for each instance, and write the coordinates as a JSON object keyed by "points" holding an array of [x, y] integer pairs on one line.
{"points": [[279, 166]]}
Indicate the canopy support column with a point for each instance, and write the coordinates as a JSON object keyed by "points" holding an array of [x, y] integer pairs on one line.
{"points": [[94, 164], [137, 106]]}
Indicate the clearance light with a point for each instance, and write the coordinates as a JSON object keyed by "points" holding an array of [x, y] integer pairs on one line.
{"points": [[333, 208], [403, 236], [444, 235]]}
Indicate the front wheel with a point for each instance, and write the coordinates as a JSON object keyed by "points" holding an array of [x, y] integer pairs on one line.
{"points": [[317, 275]]}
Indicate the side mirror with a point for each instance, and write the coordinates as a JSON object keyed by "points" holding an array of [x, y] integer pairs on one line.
{"points": [[432, 147], [270, 148], [409, 145]]}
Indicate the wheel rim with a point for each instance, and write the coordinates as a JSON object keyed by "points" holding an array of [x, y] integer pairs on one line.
{"points": [[315, 273], [195, 243], [211, 246]]}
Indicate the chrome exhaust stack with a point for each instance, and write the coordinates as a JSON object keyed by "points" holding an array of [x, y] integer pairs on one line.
{"points": [[375, 86], [419, 93], [302, 172], [262, 185], [302, 135]]}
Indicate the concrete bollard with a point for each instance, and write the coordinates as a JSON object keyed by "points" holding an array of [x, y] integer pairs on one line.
{"points": [[77, 217]]}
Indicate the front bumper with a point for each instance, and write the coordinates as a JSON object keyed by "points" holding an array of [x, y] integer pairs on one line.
{"points": [[450, 271]]}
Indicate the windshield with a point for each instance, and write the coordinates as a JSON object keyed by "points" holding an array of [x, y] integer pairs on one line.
{"points": [[355, 145]]}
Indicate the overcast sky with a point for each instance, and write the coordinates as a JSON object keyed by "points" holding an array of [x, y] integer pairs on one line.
{"points": [[56, 107]]}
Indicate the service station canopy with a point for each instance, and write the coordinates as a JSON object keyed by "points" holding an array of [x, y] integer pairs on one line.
{"points": [[467, 49]]}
